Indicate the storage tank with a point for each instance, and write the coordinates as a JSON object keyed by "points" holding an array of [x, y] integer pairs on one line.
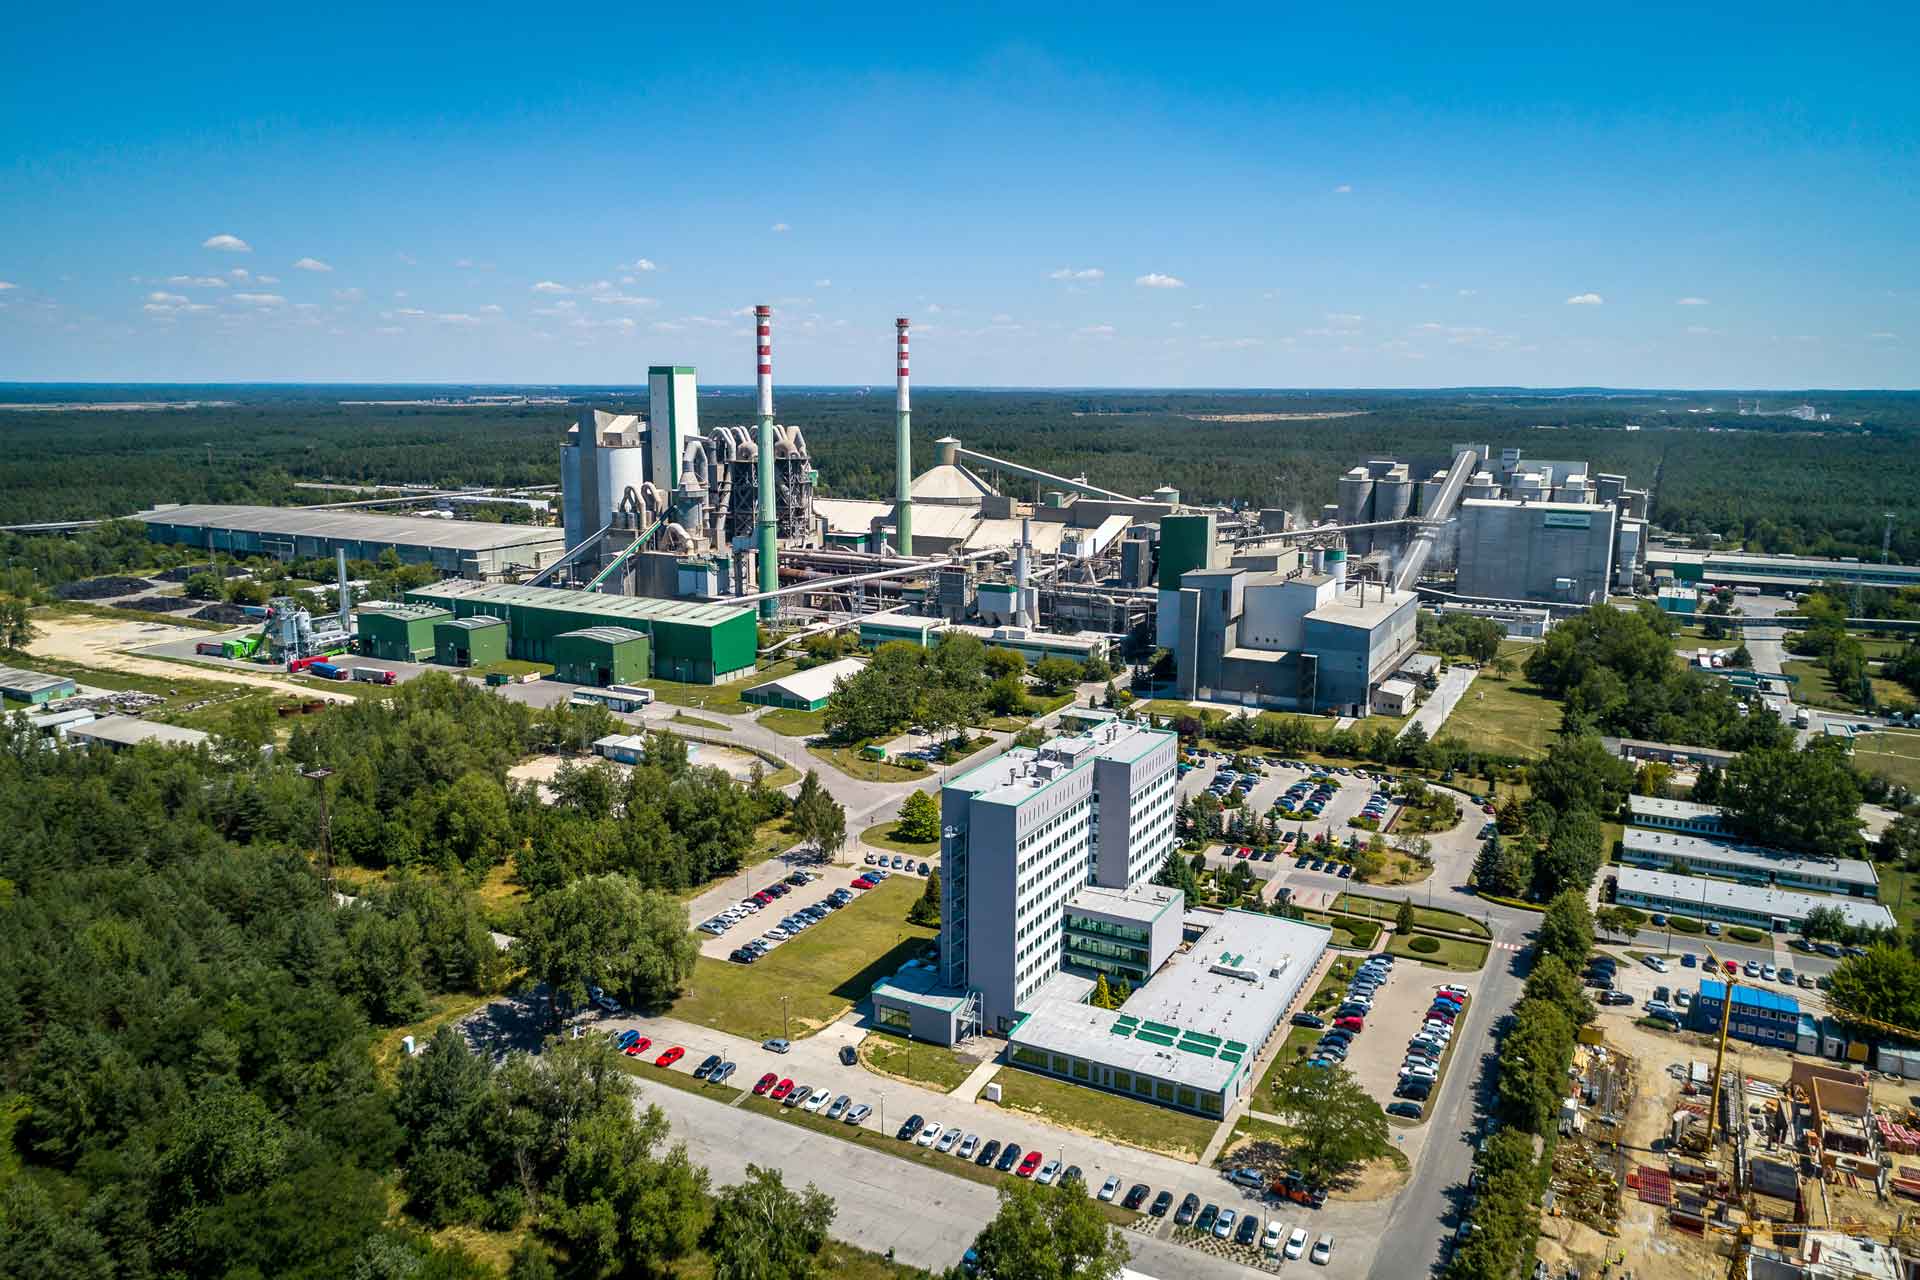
{"points": [[1356, 505], [1336, 562], [1392, 500]]}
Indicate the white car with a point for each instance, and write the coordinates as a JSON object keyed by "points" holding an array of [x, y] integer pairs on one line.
{"points": [[1276, 1232], [1110, 1188], [819, 1099], [1048, 1172], [1223, 1225], [1656, 964], [1454, 990], [1323, 1250], [1296, 1242], [929, 1135]]}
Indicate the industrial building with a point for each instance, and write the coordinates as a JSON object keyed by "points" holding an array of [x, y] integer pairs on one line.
{"points": [[1759, 1016], [469, 642], [1779, 572], [803, 690], [118, 733], [457, 548], [398, 632], [1518, 621], [1749, 864], [34, 688], [1685, 816], [691, 642], [1560, 552], [601, 656], [1023, 836], [1758, 907], [881, 628]]}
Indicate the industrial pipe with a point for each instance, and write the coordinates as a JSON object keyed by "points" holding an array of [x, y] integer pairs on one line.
{"points": [[1034, 473], [828, 584]]}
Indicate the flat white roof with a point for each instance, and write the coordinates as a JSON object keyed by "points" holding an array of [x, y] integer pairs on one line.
{"points": [[1143, 903], [1367, 611], [357, 526], [127, 731], [1200, 1021], [1397, 688], [1677, 810], [1752, 898], [1703, 851], [814, 682]]}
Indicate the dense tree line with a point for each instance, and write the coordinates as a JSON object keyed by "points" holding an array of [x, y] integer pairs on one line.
{"points": [[1616, 672], [944, 688]]}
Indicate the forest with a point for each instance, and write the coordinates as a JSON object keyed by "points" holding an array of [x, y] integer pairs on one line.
{"points": [[1773, 483]]}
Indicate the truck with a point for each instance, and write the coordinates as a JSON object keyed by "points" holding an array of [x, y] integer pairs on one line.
{"points": [[1800, 718], [1746, 591], [373, 675], [327, 670]]}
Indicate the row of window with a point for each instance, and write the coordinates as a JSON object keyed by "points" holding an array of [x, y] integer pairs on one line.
{"points": [[1144, 1086]]}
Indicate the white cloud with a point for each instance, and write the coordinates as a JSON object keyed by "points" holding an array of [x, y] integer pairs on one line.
{"points": [[1082, 273], [197, 282], [823, 284], [1157, 280], [268, 279], [1585, 300], [600, 286], [1883, 336], [456, 317], [165, 297], [1096, 331], [781, 226], [311, 264], [1690, 302], [666, 326], [626, 300], [226, 244], [412, 313], [934, 308], [349, 295], [1344, 318], [6, 285], [1467, 293], [238, 273], [640, 264], [259, 299], [551, 286], [1344, 189]]}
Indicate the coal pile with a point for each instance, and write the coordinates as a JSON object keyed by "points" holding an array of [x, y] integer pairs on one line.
{"points": [[101, 588], [232, 614], [155, 604]]}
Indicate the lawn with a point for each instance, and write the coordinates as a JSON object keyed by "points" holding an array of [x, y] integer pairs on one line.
{"points": [[880, 836], [681, 717], [190, 701], [1454, 953], [794, 724], [511, 667], [1504, 717], [1894, 756], [723, 698], [1106, 1115], [1900, 892], [927, 1064], [1423, 917], [848, 761], [1298, 1041], [815, 977], [1816, 690]]}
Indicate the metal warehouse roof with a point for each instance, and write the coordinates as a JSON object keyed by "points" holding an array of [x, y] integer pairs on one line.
{"points": [[410, 612], [1752, 997], [356, 526], [605, 635], [1699, 850], [472, 624], [1756, 899], [128, 731], [815, 682], [692, 613], [19, 680], [1661, 807]]}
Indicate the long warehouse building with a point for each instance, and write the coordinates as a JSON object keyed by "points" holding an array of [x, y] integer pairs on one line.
{"points": [[689, 641], [459, 548]]}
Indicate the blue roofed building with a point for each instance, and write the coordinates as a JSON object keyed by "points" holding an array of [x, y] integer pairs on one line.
{"points": [[1759, 1016]]}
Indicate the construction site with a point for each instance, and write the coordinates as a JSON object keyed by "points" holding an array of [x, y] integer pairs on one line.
{"points": [[1697, 1156]]}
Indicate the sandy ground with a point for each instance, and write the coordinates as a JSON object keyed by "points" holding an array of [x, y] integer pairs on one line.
{"points": [[102, 643]]}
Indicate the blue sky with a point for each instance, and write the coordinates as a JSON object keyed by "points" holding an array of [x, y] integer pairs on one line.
{"points": [[1415, 195]]}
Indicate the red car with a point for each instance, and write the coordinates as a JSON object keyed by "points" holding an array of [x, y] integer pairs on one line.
{"points": [[1029, 1164], [1486, 808], [863, 883], [767, 1082], [763, 897], [639, 1047], [1350, 1024], [781, 1090], [1732, 967], [670, 1057], [1242, 852]]}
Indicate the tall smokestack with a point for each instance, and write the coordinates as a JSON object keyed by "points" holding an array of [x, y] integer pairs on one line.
{"points": [[1020, 576], [902, 448], [346, 594], [769, 505]]}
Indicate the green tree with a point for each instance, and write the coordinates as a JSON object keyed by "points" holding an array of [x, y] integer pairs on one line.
{"points": [[819, 819], [762, 1231], [1883, 984], [1807, 800], [1095, 668], [623, 1204], [1617, 921], [16, 624], [1336, 1121], [1534, 1055], [607, 929], [1574, 854], [1403, 917], [1001, 661], [1050, 1233], [1503, 868], [1502, 666], [1056, 674], [1007, 695], [1102, 997], [1551, 980], [919, 821], [1824, 924], [1580, 773], [1566, 930], [926, 908]]}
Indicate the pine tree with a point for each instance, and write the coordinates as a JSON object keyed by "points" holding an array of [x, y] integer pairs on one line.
{"points": [[1403, 918], [1102, 994]]}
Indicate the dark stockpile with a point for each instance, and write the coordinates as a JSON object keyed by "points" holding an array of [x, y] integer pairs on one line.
{"points": [[155, 604], [230, 613], [101, 588]]}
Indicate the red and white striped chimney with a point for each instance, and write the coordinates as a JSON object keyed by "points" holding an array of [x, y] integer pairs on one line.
{"points": [[902, 448], [768, 522], [901, 398], [763, 327]]}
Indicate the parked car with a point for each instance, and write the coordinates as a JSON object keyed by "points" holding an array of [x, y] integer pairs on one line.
{"points": [[1111, 1188], [765, 1083], [1406, 1110], [781, 1091], [847, 1055], [1323, 1250], [839, 1107], [1296, 1243], [799, 1094], [929, 1134], [1308, 1020], [1048, 1172], [968, 1146], [988, 1154], [948, 1141], [1188, 1208], [820, 1098], [706, 1066], [1009, 1157], [670, 1057], [777, 1046], [859, 1113], [1161, 1203], [637, 1046], [1028, 1163], [1204, 1223], [911, 1127]]}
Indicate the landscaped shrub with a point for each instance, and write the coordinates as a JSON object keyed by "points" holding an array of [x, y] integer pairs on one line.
{"points": [[1740, 933], [1421, 944], [1365, 932], [1686, 924]]}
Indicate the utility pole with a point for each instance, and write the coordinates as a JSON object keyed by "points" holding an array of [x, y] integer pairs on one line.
{"points": [[319, 779]]}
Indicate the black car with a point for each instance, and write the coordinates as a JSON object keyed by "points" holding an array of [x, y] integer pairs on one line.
{"points": [[1188, 1207], [743, 956], [911, 1128], [1008, 1158], [705, 1069], [1615, 997], [1073, 1171], [1137, 1195], [847, 1056], [1160, 1204], [1308, 1020], [1248, 1231], [1406, 1110], [1207, 1216], [987, 1153], [1414, 1090]]}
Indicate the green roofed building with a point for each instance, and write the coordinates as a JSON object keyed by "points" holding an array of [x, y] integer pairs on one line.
{"points": [[399, 632], [600, 656], [688, 640], [469, 642]]}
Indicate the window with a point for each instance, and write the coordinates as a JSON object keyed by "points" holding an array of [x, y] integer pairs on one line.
{"points": [[1123, 1081], [890, 1017], [1164, 1090], [1188, 1098], [1027, 1057], [1079, 1069]]}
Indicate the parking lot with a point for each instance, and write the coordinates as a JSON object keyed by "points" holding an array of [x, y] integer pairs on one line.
{"points": [[1399, 1008], [1346, 802], [756, 924]]}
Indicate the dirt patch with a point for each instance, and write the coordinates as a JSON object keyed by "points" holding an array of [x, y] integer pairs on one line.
{"points": [[101, 643], [101, 588]]}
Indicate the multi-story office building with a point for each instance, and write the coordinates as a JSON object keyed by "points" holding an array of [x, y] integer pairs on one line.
{"points": [[1021, 837]]}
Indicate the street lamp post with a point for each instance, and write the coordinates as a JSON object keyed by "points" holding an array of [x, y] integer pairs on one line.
{"points": [[786, 1020]]}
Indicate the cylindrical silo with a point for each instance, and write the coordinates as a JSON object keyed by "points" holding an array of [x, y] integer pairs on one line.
{"points": [[1356, 505], [1336, 561], [1392, 500]]}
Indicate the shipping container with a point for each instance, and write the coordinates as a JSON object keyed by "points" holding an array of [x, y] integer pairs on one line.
{"points": [[373, 675], [327, 671]]}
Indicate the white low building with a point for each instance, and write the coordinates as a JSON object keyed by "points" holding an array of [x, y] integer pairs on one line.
{"points": [[1755, 906]]}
